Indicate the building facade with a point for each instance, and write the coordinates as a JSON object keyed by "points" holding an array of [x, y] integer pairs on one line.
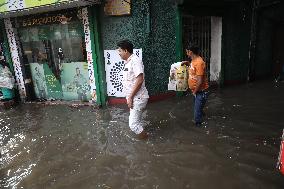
{"points": [[66, 50]]}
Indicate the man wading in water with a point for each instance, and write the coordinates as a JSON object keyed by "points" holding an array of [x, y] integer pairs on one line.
{"points": [[134, 87], [197, 81]]}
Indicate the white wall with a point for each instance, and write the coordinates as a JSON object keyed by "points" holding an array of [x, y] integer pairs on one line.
{"points": [[216, 41]]}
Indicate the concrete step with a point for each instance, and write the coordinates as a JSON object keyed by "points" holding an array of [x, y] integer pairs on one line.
{"points": [[7, 104]]}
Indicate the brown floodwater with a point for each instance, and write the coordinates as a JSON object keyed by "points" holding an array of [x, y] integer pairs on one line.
{"points": [[58, 146]]}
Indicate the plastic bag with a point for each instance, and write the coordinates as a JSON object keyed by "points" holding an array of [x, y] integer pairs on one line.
{"points": [[178, 77]]}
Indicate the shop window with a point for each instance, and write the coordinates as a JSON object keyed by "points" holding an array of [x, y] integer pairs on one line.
{"points": [[53, 47]]}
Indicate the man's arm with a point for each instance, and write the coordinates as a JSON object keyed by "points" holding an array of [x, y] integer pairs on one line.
{"points": [[136, 87]]}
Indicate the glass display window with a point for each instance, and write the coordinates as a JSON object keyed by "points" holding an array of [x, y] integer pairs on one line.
{"points": [[54, 49]]}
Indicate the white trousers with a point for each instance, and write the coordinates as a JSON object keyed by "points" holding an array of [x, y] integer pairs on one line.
{"points": [[135, 116]]}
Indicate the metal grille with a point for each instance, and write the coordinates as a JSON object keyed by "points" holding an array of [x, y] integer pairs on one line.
{"points": [[198, 30]]}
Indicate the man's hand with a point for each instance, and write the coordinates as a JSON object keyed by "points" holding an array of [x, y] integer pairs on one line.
{"points": [[184, 63], [198, 84], [135, 89], [130, 103]]}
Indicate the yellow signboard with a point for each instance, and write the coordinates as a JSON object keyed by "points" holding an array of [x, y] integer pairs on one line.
{"points": [[14, 5], [117, 7]]}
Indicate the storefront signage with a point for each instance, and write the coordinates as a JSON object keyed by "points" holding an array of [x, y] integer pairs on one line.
{"points": [[58, 17], [117, 7], [46, 20]]}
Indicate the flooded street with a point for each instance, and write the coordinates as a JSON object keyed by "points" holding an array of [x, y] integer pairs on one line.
{"points": [[58, 147]]}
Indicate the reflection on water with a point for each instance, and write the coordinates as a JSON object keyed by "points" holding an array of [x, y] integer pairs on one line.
{"points": [[64, 147]]}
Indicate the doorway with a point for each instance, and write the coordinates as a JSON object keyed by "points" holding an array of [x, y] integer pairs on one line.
{"points": [[206, 32], [197, 30], [278, 55]]}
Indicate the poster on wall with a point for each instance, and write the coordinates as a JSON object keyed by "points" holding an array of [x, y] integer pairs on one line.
{"points": [[75, 82], [114, 66], [39, 81], [46, 85], [52, 83]]}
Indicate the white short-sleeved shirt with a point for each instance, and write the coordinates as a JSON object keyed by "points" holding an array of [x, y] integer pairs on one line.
{"points": [[133, 67]]}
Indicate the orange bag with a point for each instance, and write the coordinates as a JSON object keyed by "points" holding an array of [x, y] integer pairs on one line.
{"points": [[280, 164]]}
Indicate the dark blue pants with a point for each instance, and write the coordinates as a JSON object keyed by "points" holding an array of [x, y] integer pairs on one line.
{"points": [[199, 103]]}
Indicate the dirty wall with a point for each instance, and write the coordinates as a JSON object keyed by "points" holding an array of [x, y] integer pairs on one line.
{"points": [[151, 26]]}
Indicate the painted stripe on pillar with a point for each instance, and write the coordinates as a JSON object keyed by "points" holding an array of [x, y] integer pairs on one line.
{"points": [[89, 53], [15, 57]]}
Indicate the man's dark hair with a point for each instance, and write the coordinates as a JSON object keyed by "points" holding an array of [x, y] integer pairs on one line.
{"points": [[126, 45], [194, 48]]}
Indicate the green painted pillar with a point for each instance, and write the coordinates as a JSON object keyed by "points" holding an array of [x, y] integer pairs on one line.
{"points": [[97, 56], [179, 50]]}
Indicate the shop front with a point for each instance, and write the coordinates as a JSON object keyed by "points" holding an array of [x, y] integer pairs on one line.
{"points": [[52, 55]]}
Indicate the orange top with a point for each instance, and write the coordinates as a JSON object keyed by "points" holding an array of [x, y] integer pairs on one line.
{"points": [[197, 68]]}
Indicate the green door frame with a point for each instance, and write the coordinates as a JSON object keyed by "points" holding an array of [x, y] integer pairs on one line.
{"points": [[97, 56]]}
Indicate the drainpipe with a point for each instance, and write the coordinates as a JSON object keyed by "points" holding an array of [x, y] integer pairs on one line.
{"points": [[257, 5], [179, 51], [252, 48], [148, 17]]}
